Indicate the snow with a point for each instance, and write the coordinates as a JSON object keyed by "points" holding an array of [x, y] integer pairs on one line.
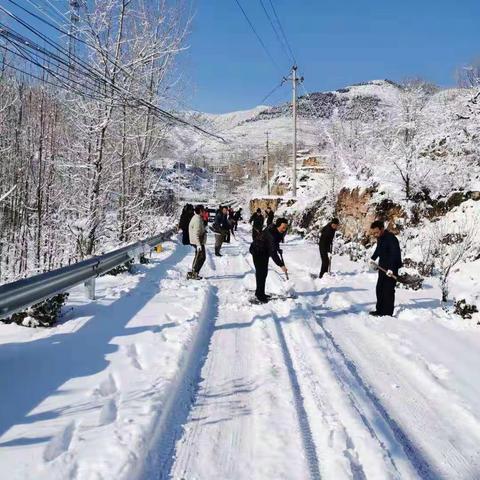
{"points": [[166, 378]]}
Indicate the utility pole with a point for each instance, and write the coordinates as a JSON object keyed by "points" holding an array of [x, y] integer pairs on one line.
{"points": [[72, 32], [268, 166], [294, 108], [294, 80]]}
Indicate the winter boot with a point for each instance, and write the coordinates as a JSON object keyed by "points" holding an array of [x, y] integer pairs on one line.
{"points": [[263, 299]]}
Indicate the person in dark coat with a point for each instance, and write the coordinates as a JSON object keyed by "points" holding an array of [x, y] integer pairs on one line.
{"points": [[231, 224], [269, 215], [221, 228], [257, 220], [237, 216], [185, 217], [390, 259], [325, 244], [265, 246]]}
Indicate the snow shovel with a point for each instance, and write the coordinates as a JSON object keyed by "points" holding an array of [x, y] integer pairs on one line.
{"points": [[412, 281], [289, 290], [281, 256]]}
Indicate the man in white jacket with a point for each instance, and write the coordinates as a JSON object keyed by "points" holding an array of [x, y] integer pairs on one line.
{"points": [[198, 238]]}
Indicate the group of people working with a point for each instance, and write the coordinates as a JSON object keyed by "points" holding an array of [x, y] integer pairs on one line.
{"points": [[193, 224], [389, 262], [266, 244]]}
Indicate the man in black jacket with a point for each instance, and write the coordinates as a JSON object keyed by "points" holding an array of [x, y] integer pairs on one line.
{"points": [[269, 214], [390, 259], [185, 217], [257, 219], [221, 227], [325, 244], [264, 246], [237, 216]]}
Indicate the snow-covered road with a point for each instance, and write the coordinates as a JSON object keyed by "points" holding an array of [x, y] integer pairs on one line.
{"points": [[165, 378]]}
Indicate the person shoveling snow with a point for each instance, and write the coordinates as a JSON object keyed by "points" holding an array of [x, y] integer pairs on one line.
{"points": [[325, 245], [264, 246], [389, 261]]}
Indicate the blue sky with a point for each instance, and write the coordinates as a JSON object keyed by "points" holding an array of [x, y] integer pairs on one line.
{"points": [[336, 43]]}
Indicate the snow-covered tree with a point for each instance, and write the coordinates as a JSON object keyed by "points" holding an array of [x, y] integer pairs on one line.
{"points": [[448, 243]]}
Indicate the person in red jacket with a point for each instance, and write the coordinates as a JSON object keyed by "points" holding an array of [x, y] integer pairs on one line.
{"points": [[205, 217]]}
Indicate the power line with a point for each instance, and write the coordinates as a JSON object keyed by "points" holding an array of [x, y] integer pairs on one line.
{"points": [[71, 37], [58, 29], [31, 75], [258, 36], [272, 91], [283, 32], [62, 16], [275, 29], [86, 70], [63, 84], [43, 10], [28, 47]]}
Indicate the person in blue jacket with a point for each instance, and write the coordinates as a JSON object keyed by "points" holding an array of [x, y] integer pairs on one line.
{"points": [[390, 259]]}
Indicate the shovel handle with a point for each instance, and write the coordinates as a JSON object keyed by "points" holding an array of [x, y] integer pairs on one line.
{"points": [[385, 271], [281, 256]]}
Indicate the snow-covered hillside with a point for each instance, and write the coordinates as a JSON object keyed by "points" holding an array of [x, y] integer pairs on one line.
{"points": [[359, 128]]}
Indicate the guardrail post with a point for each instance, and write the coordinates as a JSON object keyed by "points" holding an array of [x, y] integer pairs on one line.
{"points": [[90, 287]]}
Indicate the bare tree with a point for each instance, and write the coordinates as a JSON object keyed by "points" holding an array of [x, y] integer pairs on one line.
{"points": [[447, 245], [468, 76], [406, 148], [75, 170]]}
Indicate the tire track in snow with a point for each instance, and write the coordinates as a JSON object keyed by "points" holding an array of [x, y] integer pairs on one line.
{"points": [[421, 422], [201, 415], [302, 417], [159, 455], [308, 316], [423, 467], [355, 403], [304, 425], [229, 451]]}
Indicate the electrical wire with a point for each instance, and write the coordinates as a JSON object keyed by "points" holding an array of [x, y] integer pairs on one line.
{"points": [[275, 29], [262, 43], [88, 71], [272, 92], [283, 32]]}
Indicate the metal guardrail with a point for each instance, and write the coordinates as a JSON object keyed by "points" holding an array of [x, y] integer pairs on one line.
{"points": [[21, 294]]}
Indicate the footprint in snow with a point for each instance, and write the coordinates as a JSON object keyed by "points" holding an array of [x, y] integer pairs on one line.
{"points": [[60, 443], [132, 354], [107, 387], [108, 413]]}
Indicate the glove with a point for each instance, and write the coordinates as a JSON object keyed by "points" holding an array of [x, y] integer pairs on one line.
{"points": [[374, 264], [389, 273]]}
